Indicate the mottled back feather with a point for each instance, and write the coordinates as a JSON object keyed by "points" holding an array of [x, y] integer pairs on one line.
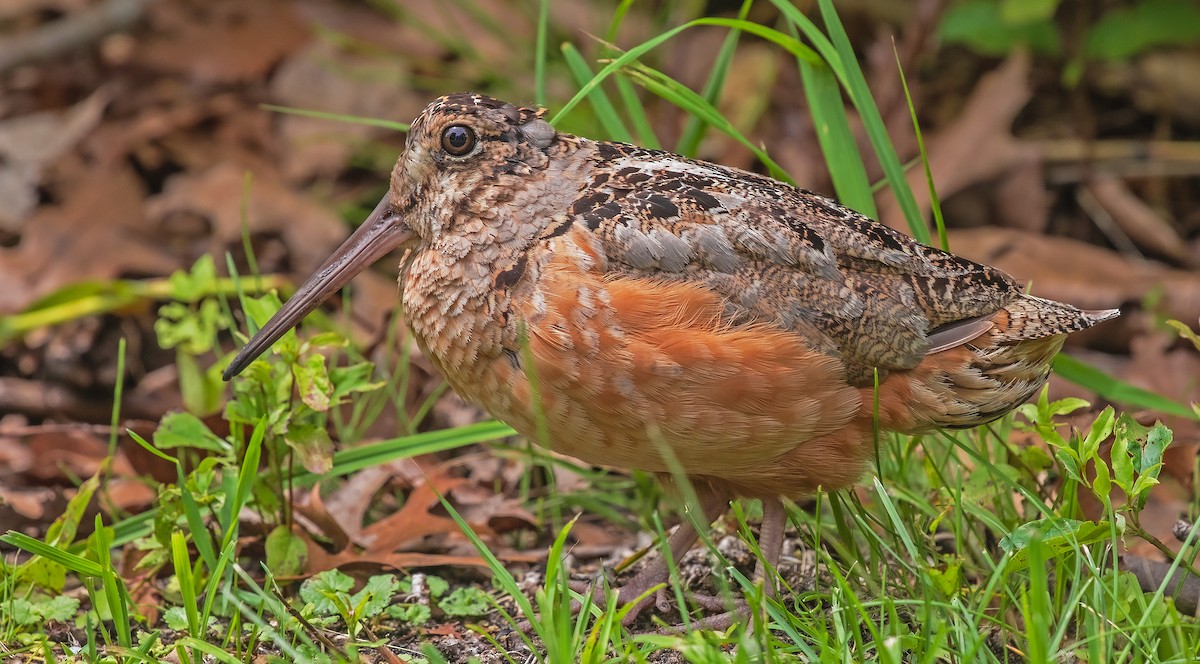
{"points": [[633, 305]]}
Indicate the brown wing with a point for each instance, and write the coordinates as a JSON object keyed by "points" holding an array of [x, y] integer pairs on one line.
{"points": [[850, 286]]}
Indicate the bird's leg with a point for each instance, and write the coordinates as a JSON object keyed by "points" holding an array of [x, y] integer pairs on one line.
{"points": [[770, 545], [712, 504]]}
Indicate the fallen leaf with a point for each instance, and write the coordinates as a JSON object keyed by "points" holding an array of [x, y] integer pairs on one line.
{"points": [[1147, 228], [414, 522], [220, 41], [29, 143], [978, 145], [96, 233], [216, 194], [1084, 275], [445, 629]]}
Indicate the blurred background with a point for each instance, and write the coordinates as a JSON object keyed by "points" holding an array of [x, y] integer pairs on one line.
{"points": [[1063, 139]]}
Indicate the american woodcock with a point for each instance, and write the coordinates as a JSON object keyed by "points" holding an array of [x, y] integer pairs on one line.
{"points": [[672, 311]]}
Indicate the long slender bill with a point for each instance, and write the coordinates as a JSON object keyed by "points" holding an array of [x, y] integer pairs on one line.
{"points": [[382, 232]]}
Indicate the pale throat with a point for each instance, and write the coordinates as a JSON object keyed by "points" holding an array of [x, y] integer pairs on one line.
{"points": [[450, 303]]}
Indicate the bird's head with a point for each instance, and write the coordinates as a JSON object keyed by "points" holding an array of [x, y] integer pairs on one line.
{"points": [[459, 144]]}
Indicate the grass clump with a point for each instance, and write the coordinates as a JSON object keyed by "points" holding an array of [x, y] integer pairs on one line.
{"points": [[965, 547]]}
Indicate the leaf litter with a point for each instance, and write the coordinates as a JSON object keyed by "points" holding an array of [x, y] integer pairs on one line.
{"points": [[134, 166]]}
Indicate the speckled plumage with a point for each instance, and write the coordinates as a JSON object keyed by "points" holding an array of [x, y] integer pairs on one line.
{"points": [[629, 306], [666, 301]]}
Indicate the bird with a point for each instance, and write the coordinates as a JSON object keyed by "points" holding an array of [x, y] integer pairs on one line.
{"points": [[638, 309]]}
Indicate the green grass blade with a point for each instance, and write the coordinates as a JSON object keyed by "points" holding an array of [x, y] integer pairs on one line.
{"points": [[934, 202], [637, 115], [187, 583], [363, 456], [836, 139], [630, 56], [539, 53], [693, 132], [675, 92], [339, 117], [1114, 389], [77, 564], [606, 113], [860, 94]]}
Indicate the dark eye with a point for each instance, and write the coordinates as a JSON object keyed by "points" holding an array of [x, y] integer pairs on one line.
{"points": [[458, 140]]}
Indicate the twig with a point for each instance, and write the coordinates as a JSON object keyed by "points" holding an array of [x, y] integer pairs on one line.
{"points": [[70, 33], [71, 427], [41, 399], [1151, 574], [1071, 161]]}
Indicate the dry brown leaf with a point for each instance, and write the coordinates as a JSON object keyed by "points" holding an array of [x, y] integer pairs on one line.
{"points": [[1142, 224], [414, 522], [29, 143], [340, 517], [320, 560], [502, 514], [312, 514], [350, 84], [220, 41], [215, 195], [1084, 275], [978, 145], [95, 234], [451, 630], [19, 506]]}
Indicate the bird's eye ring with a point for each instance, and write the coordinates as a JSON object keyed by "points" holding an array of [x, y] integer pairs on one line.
{"points": [[458, 140]]}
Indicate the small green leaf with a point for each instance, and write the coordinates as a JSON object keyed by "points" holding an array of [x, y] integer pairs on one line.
{"points": [[375, 596], [21, 611], [353, 379], [1157, 440], [312, 445], [1070, 463], [325, 340], [1034, 458], [1102, 485], [948, 579], [437, 585], [1142, 485], [286, 553], [412, 614], [201, 388], [195, 284], [1101, 429], [464, 602], [1056, 534], [1186, 332], [1130, 30], [980, 26], [176, 618], [187, 430], [1122, 465], [312, 379], [319, 588], [1067, 406], [193, 329], [60, 608]]}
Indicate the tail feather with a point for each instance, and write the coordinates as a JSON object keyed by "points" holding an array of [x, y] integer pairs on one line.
{"points": [[1031, 317], [986, 373]]}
